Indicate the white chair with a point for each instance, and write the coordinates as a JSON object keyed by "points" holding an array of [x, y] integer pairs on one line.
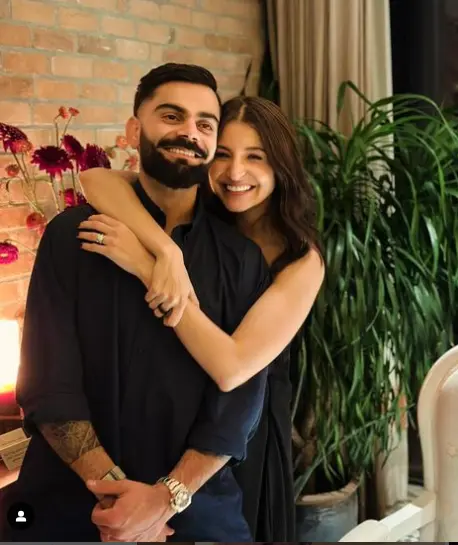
{"points": [[435, 511]]}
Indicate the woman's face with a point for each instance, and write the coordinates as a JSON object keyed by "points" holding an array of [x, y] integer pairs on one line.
{"points": [[240, 174]]}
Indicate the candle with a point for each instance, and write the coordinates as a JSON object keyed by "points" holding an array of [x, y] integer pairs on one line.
{"points": [[9, 365]]}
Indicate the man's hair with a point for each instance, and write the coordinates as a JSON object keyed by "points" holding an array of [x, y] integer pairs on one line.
{"points": [[171, 72]]}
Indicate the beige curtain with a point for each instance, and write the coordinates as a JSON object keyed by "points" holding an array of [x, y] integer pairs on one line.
{"points": [[317, 44]]}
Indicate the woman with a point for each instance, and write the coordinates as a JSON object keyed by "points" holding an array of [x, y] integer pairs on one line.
{"points": [[257, 175]]}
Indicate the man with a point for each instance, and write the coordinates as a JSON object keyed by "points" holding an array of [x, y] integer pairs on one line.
{"points": [[107, 390]]}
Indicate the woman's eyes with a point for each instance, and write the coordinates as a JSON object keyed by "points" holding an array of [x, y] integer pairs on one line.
{"points": [[250, 157], [255, 157], [221, 155]]}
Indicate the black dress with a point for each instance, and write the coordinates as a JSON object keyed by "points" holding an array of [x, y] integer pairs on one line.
{"points": [[266, 476]]}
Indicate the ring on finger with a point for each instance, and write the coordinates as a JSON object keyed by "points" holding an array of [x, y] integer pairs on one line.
{"points": [[99, 238]]}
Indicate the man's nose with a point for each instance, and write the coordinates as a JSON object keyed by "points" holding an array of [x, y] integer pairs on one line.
{"points": [[189, 130]]}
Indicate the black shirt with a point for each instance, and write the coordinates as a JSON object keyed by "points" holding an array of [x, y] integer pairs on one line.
{"points": [[93, 350]]}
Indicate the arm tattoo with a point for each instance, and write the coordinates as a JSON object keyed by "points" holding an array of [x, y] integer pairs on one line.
{"points": [[70, 440]]}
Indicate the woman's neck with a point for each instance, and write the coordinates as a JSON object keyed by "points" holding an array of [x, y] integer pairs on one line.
{"points": [[256, 225]]}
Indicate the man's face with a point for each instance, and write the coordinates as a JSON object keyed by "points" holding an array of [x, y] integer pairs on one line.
{"points": [[177, 132]]}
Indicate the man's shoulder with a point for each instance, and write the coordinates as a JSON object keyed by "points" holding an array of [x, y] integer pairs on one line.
{"points": [[70, 218]]}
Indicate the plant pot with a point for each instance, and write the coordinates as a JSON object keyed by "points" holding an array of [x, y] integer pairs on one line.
{"points": [[327, 517]]}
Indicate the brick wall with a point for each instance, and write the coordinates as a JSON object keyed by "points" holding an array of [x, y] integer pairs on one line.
{"points": [[90, 54]]}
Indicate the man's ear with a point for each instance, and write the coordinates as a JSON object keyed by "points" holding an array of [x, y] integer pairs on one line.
{"points": [[133, 132]]}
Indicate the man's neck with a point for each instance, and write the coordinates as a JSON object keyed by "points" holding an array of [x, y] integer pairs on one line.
{"points": [[177, 204]]}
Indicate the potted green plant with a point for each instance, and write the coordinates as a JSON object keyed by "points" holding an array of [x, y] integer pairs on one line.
{"points": [[386, 194]]}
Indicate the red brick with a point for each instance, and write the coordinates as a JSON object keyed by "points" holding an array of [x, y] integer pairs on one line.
{"points": [[25, 63], [53, 40], [132, 50], [244, 10], [122, 114], [34, 12], [219, 43], [10, 291], [44, 113], [98, 92], [189, 38], [53, 89], [16, 113], [126, 94], [93, 45], [40, 137], [5, 10], [123, 6], [118, 26], [107, 137], [138, 71], [229, 25], [203, 20], [109, 5], [186, 3], [77, 19], [12, 217], [243, 45], [145, 9], [22, 266], [155, 56], [15, 87], [158, 34], [230, 81], [72, 67], [15, 35], [110, 70], [98, 114], [176, 14]]}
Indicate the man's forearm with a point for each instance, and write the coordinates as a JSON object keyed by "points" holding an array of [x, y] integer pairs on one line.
{"points": [[196, 468], [76, 443]]}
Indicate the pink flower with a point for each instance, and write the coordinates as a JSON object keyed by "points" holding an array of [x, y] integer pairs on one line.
{"points": [[70, 200], [21, 146], [12, 170], [52, 159], [94, 156], [11, 136], [35, 221], [121, 142], [73, 111], [72, 146], [63, 112], [8, 253], [132, 162]]}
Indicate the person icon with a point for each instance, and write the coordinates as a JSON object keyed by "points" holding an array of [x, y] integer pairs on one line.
{"points": [[20, 517]]}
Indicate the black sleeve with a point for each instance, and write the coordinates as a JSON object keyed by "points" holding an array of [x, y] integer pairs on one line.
{"points": [[50, 385], [227, 420]]}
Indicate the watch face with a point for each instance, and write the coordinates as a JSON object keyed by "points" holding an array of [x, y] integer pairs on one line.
{"points": [[182, 499]]}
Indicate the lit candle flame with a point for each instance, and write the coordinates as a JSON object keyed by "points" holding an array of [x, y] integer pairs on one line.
{"points": [[9, 355]]}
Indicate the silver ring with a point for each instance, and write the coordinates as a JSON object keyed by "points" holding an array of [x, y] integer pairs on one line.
{"points": [[99, 238]]}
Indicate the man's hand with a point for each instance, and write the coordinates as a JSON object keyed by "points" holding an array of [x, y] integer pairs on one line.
{"points": [[140, 512]]}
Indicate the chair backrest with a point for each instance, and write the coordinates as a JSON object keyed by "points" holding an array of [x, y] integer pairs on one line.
{"points": [[438, 427]]}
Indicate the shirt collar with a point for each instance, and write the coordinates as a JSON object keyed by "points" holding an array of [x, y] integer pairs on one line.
{"points": [[159, 215]]}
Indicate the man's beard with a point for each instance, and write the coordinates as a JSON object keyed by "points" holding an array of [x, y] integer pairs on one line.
{"points": [[173, 174]]}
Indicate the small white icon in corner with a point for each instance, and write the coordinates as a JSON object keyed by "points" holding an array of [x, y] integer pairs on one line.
{"points": [[20, 517]]}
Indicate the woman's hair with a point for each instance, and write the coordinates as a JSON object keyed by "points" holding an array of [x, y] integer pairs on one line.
{"points": [[292, 207]]}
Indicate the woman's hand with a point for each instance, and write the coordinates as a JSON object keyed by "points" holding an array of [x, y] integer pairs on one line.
{"points": [[170, 289], [119, 244]]}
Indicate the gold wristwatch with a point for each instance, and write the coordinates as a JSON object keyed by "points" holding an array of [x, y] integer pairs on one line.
{"points": [[115, 474], [180, 495]]}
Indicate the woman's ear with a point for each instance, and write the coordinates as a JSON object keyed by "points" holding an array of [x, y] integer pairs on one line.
{"points": [[133, 132]]}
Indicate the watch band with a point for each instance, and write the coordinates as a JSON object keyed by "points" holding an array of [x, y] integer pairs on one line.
{"points": [[115, 474], [180, 496]]}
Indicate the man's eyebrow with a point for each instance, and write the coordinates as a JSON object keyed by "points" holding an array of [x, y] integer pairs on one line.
{"points": [[181, 110]]}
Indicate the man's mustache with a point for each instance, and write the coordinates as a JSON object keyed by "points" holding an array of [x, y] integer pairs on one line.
{"points": [[183, 143]]}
